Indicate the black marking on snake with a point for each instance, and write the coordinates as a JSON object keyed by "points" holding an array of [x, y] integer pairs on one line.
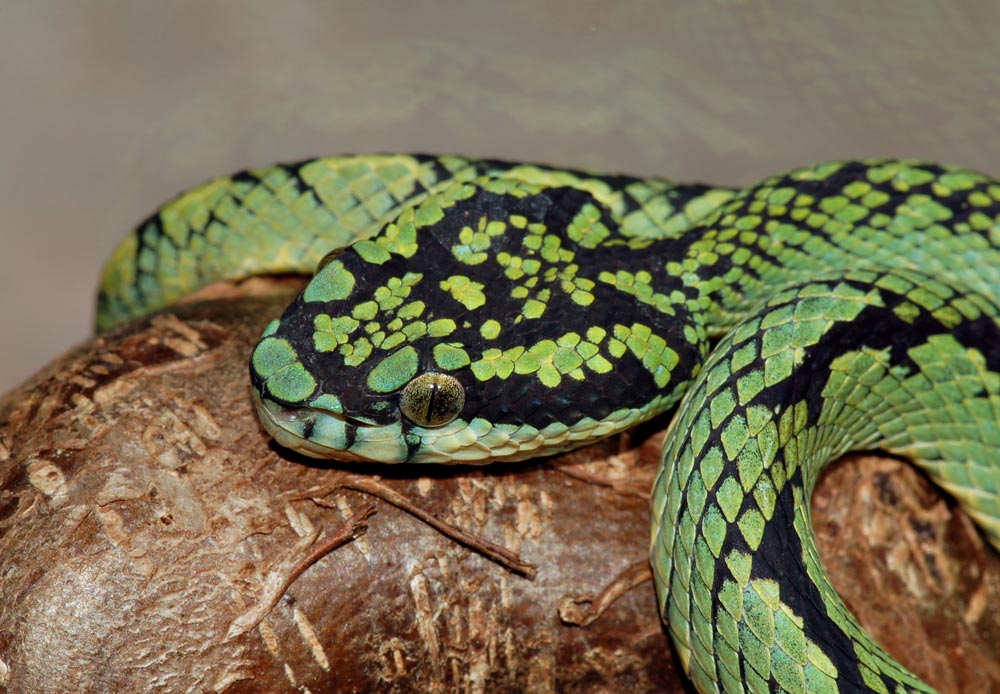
{"points": [[441, 173], [879, 328], [876, 328], [798, 591], [295, 171], [247, 176], [350, 433], [308, 427]]}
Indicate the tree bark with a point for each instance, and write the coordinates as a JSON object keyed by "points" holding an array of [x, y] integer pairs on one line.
{"points": [[152, 539]]}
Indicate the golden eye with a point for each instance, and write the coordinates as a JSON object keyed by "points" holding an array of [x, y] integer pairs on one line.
{"points": [[325, 260], [432, 399]]}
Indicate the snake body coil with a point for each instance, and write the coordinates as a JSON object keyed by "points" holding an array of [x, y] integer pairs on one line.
{"points": [[477, 311]]}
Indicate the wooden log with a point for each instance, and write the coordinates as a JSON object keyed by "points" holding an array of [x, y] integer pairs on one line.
{"points": [[152, 539]]}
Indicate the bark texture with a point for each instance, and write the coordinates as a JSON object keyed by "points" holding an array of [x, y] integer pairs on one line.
{"points": [[153, 539]]}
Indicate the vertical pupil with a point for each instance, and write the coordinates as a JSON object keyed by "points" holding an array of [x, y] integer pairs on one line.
{"points": [[430, 401]]}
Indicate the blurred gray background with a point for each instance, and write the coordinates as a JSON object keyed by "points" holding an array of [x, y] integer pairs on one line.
{"points": [[108, 108]]}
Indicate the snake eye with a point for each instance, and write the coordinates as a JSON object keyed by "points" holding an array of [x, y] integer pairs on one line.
{"points": [[432, 399], [325, 260]]}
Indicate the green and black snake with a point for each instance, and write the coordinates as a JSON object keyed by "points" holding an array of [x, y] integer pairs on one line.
{"points": [[479, 311]]}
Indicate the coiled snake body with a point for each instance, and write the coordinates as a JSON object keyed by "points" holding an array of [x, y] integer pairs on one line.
{"points": [[477, 311]]}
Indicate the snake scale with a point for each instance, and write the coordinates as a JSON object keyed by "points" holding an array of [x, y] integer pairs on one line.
{"points": [[477, 311]]}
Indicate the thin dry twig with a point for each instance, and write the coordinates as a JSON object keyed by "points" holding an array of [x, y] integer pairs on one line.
{"points": [[582, 610], [366, 485], [284, 573], [585, 473], [498, 553]]}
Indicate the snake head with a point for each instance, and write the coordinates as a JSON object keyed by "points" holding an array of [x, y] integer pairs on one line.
{"points": [[480, 325]]}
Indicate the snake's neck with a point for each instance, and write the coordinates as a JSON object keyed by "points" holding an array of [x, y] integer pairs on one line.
{"points": [[726, 276]]}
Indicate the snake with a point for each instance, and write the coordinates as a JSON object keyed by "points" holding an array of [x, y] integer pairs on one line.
{"points": [[473, 311]]}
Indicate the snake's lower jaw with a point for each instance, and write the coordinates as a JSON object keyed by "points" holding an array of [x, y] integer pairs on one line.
{"points": [[320, 434]]}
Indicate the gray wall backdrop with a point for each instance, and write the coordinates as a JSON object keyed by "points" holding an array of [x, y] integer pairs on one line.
{"points": [[108, 108]]}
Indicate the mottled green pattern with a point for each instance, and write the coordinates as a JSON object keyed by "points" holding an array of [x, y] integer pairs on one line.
{"points": [[744, 453], [284, 219], [490, 311]]}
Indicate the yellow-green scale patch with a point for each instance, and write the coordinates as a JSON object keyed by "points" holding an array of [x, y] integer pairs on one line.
{"points": [[333, 283], [490, 329], [640, 286], [651, 349], [450, 357], [473, 243], [394, 371], [465, 291], [549, 360], [286, 378], [383, 322]]}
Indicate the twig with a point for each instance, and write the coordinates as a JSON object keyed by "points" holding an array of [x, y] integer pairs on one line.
{"points": [[283, 574], [582, 610], [581, 472], [498, 553]]}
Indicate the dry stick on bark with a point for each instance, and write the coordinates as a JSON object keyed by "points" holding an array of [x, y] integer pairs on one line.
{"points": [[284, 573], [582, 610], [510, 560], [582, 473]]}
